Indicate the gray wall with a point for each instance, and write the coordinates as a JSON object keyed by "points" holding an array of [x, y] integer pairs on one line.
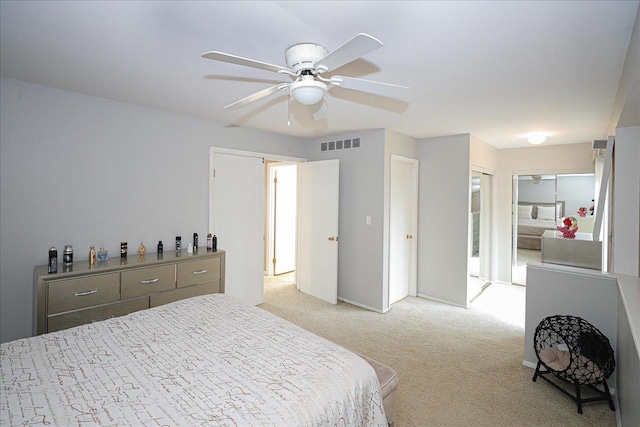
{"points": [[444, 193], [360, 250], [83, 170]]}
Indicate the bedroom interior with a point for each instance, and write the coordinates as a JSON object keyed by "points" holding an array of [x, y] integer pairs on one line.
{"points": [[541, 201], [111, 127]]}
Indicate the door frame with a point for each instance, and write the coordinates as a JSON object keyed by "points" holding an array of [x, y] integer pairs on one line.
{"points": [[266, 156], [413, 261], [245, 153]]}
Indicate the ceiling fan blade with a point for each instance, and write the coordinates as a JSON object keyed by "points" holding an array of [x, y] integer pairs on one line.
{"points": [[358, 46], [256, 96], [377, 88], [321, 113], [238, 60]]}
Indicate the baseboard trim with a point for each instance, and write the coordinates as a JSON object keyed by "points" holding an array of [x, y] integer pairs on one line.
{"points": [[441, 300], [377, 310], [528, 364]]}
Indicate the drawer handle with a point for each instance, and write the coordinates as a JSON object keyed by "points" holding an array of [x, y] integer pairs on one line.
{"points": [[144, 282], [204, 270], [82, 294]]}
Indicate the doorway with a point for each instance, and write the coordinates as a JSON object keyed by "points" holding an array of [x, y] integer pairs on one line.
{"points": [[479, 262], [403, 223], [540, 201], [237, 196], [280, 219]]}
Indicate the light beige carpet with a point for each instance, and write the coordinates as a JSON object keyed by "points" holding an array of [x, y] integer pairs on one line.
{"points": [[457, 367]]}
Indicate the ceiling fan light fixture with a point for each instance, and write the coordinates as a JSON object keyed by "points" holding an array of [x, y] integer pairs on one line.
{"points": [[308, 92], [537, 138]]}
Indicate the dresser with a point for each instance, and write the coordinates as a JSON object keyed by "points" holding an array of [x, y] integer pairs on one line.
{"points": [[81, 293]]}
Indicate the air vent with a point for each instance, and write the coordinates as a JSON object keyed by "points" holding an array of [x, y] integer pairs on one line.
{"points": [[341, 144], [599, 144]]}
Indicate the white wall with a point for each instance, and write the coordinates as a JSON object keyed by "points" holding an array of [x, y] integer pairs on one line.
{"points": [[557, 289], [626, 202], [444, 194], [551, 159], [360, 250], [83, 170]]}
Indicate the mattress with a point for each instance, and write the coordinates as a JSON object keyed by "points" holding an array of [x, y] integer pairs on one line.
{"points": [[535, 227], [207, 360]]}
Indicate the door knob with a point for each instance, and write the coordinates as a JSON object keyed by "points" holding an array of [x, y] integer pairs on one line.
{"points": [[409, 236], [332, 239]]}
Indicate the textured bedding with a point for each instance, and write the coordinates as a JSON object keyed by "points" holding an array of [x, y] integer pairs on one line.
{"points": [[530, 232], [206, 360], [535, 227]]}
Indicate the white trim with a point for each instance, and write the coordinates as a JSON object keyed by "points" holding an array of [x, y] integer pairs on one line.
{"points": [[481, 169], [377, 310], [268, 156], [529, 364]]}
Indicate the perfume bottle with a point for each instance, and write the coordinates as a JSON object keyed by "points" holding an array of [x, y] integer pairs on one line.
{"points": [[103, 254], [195, 242], [67, 255], [178, 243], [160, 247], [53, 260], [92, 255], [209, 241], [214, 243]]}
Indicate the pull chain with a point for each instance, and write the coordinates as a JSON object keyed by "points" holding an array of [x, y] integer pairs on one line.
{"points": [[289, 112]]}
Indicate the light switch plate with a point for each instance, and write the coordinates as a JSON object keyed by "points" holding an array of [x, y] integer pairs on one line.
{"points": [[368, 220]]}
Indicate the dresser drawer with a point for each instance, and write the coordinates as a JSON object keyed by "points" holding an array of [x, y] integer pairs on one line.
{"points": [[200, 271], [184, 293], [71, 294], [144, 281], [94, 314]]}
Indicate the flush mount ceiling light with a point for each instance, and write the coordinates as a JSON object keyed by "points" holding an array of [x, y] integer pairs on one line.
{"points": [[308, 91], [537, 138]]}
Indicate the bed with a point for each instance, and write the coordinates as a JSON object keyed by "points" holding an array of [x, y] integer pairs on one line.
{"points": [[208, 360], [534, 218]]}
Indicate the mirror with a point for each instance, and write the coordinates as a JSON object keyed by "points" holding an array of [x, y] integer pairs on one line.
{"points": [[540, 202]]}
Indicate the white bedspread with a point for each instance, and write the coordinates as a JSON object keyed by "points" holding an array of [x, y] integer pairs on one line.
{"points": [[208, 361]]}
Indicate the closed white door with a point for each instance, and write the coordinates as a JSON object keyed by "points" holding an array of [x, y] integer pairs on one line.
{"points": [[318, 197], [284, 217], [402, 229], [237, 220]]}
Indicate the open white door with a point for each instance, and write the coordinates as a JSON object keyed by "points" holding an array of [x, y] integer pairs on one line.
{"points": [[318, 196], [237, 220]]}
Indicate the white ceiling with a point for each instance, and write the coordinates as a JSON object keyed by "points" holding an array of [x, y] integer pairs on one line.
{"points": [[497, 70]]}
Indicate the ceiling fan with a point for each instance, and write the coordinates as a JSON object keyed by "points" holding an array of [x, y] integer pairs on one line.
{"points": [[306, 64]]}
